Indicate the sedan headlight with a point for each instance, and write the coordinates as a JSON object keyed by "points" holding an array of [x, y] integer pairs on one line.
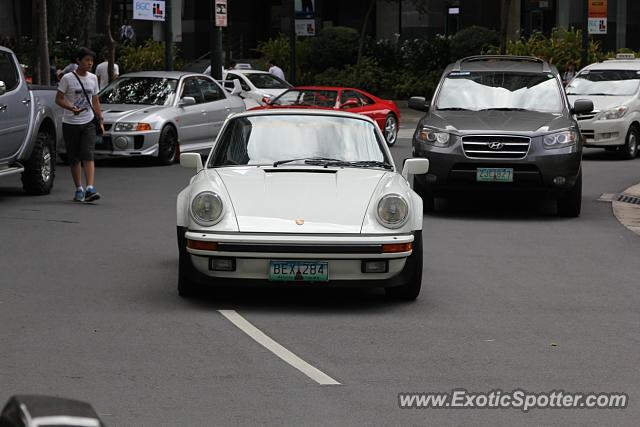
{"points": [[393, 211], [560, 139], [614, 113], [434, 137], [129, 127], [207, 208]]}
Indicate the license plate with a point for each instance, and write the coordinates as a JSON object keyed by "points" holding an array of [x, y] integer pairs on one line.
{"points": [[494, 175], [299, 271], [99, 140]]}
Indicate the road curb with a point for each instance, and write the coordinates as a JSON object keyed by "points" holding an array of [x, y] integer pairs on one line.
{"points": [[628, 213]]}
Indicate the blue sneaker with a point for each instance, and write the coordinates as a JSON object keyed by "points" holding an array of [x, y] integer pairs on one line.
{"points": [[91, 195], [79, 196]]}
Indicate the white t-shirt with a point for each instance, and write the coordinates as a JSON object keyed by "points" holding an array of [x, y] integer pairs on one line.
{"points": [[74, 95], [102, 73], [277, 71]]}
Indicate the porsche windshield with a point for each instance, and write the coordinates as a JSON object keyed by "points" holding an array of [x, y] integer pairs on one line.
{"points": [[308, 98], [297, 139], [605, 82], [139, 90], [478, 91]]}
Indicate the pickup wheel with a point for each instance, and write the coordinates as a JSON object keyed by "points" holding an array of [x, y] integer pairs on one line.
{"points": [[570, 204], [168, 146], [40, 169], [630, 148], [410, 290]]}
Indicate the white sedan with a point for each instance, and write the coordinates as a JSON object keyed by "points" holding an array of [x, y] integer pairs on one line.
{"points": [[300, 197], [256, 85]]}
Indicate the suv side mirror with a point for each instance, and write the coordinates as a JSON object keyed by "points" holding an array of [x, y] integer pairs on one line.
{"points": [[3, 87], [418, 103], [582, 106], [187, 100]]}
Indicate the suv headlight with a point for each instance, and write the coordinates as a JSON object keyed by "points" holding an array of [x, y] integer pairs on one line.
{"points": [[560, 139], [392, 211], [207, 208], [129, 127], [614, 113], [434, 137]]}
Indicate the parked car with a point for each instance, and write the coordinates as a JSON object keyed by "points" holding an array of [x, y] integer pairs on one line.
{"points": [[30, 127], [257, 86], [384, 112], [300, 197], [614, 88], [499, 123], [162, 113]]}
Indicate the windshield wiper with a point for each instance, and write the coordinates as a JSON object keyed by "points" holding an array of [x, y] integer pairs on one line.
{"points": [[453, 109], [306, 160], [372, 163], [504, 109]]}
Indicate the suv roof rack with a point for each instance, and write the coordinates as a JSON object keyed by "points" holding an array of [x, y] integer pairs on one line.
{"points": [[510, 58]]}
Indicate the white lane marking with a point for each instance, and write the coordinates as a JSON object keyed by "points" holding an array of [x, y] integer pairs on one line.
{"points": [[284, 354]]}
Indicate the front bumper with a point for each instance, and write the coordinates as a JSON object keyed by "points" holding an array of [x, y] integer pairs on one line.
{"points": [[451, 170], [603, 133], [126, 144], [253, 252]]}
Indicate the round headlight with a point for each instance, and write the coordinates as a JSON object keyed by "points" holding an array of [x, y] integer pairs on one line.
{"points": [[207, 208], [393, 211]]}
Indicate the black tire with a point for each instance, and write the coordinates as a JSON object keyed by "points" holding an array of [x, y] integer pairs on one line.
{"points": [[630, 148], [570, 204], [40, 169], [64, 158], [428, 199], [410, 290], [187, 288], [611, 149], [168, 146], [390, 130]]}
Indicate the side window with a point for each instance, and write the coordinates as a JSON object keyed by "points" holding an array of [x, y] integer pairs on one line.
{"points": [[210, 90], [8, 71], [365, 100], [192, 89]]}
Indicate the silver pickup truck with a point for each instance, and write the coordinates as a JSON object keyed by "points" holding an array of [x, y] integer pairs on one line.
{"points": [[30, 127]]}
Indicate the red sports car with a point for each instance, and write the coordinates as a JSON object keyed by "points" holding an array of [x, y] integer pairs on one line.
{"points": [[383, 111]]}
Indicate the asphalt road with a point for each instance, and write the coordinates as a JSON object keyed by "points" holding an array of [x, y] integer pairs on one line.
{"points": [[513, 298]]}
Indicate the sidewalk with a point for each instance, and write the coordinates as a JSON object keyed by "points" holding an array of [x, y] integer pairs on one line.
{"points": [[628, 213]]}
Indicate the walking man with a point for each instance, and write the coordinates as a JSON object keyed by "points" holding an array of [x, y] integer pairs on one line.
{"points": [[275, 70], [77, 95], [102, 72]]}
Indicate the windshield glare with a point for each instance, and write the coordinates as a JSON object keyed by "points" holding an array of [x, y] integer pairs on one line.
{"points": [[605, 82], [308, 97], [262, 140], [500, 90], [267, 81], [139, 90]]}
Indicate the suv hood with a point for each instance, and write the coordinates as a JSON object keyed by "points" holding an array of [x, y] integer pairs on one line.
{"points": [[525, 122], [327, 200]]}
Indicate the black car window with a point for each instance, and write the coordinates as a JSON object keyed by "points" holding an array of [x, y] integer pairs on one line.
{"points": [[192, 89], [210, 90], [8, 71]]}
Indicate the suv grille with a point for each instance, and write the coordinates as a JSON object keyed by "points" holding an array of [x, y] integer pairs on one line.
{"points": [[587, 116], [495, 146]]}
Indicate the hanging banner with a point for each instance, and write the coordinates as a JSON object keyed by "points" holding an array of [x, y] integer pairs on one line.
{"points": [[149, 10], [598, 16], [221, 13]]}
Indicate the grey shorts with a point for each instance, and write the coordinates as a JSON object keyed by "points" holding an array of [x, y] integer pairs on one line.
{"points": [[80, 141]]}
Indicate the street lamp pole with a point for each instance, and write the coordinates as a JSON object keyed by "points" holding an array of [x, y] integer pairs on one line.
{"points": [[292, 41], [584, 59], [168, 38]]}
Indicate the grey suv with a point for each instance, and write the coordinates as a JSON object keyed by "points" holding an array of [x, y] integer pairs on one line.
{"points": [[500, 123]]}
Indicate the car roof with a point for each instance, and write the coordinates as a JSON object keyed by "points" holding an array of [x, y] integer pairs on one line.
{"points": [[512, 63], [302, 112], [241, 71], [616, 64]]}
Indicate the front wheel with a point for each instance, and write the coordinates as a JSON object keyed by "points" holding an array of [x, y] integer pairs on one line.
{"points": [[168, 146], [391, 129], [410, 290], [630, 148], [40, 169], [570, 204]]}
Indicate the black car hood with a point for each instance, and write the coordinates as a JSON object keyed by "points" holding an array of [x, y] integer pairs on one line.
{"points": [[521, 122]]}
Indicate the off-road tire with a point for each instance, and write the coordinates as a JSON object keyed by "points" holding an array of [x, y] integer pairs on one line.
{"points": [[168, 146], [40, 169], [410, 290]]}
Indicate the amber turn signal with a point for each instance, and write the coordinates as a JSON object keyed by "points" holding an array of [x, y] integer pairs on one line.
{"points": [[397, 247], [143, 126], [202, 246]]}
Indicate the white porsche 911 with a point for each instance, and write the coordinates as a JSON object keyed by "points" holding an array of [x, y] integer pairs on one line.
{"points": [[300, 197]]}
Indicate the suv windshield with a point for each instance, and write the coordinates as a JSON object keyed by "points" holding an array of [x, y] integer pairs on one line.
{"points": [[268, 139], [500, 91], [139, 90], [605, 82]]}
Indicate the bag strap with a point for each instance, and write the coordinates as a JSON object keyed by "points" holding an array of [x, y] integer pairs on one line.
{"points": [[85, 94]]}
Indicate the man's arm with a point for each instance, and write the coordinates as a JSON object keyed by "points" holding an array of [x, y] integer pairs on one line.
{"points": [[64, 104], [98, 109]]}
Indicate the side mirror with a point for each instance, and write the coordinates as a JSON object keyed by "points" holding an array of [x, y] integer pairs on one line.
{"points": [[582, 106], [266, 100], [414, 167], [191, 161], [350, 103], [418, 103], [37, 410], [3, 87], [237, 87], [187, 100]]}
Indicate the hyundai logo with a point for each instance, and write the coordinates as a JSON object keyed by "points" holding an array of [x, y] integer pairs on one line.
{"points": [[496, 145]]}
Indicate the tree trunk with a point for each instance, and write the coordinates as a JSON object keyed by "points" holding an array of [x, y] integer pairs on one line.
{"points": [[364, 29], [504, 25], [111, 45], [89, 23], [42, 45]]}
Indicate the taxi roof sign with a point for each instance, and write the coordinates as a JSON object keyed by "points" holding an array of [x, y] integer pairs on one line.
{"points": [[625, 56]]}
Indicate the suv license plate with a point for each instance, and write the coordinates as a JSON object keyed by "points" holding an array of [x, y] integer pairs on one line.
{"points": [[299, 271], [494, 175]]}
